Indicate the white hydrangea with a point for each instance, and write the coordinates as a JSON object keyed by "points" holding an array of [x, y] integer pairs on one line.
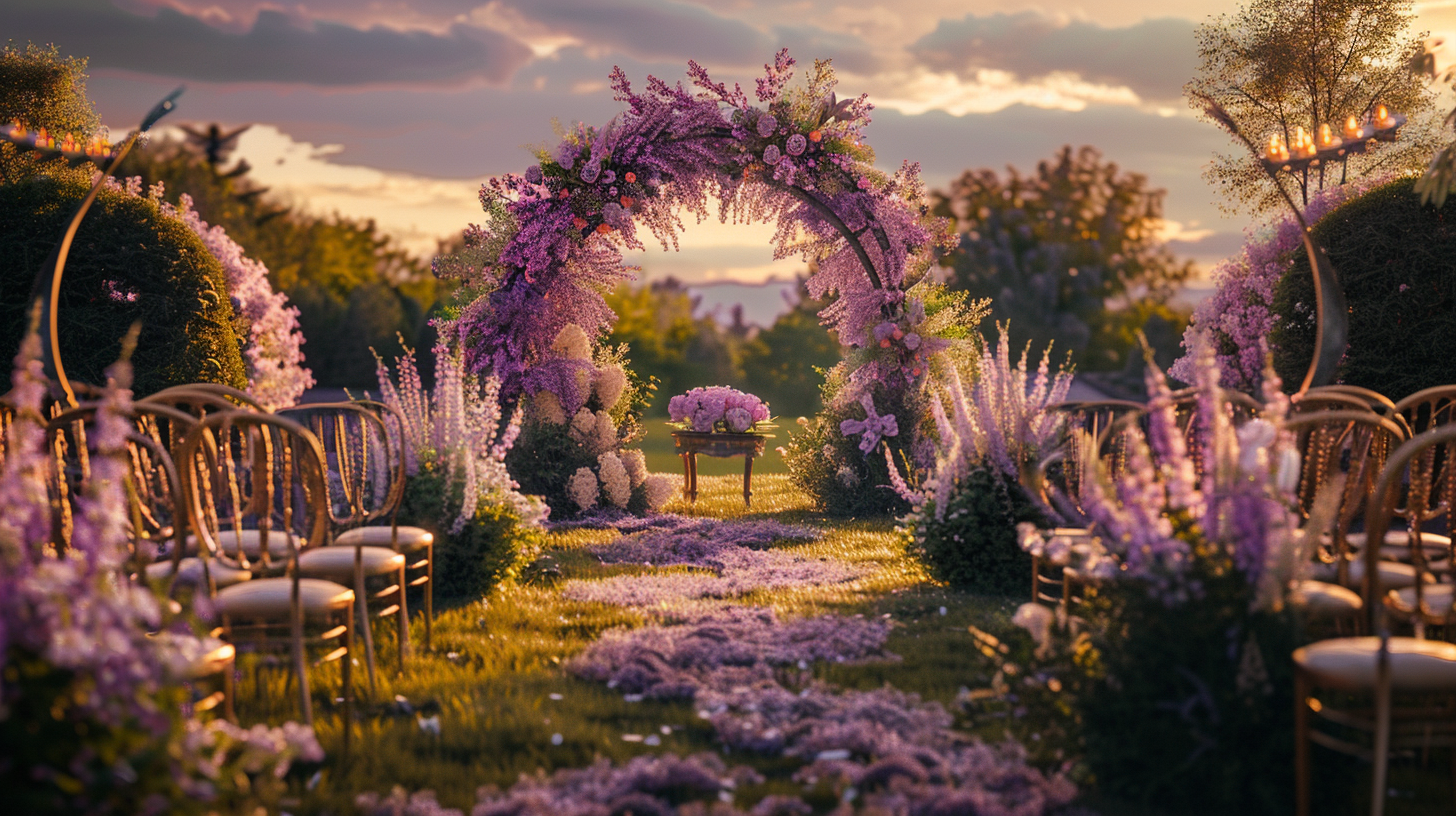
{"points": [[636, 463], [545, 407], [582, 488], [572, 343], [583, 425], [611, 381], [616, 485], [604, 434], [659, 491]]}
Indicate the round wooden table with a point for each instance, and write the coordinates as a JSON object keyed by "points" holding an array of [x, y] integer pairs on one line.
{"points": [[722, 445]]}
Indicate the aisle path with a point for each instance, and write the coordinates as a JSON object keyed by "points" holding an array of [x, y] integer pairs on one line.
{"points": [[747, 661]]}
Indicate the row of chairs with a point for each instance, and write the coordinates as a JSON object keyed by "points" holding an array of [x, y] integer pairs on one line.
{"points": [[283, 523], [1390, 464]]}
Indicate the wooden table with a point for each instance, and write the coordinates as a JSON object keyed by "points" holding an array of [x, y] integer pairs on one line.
{"points": [[722, 445]]}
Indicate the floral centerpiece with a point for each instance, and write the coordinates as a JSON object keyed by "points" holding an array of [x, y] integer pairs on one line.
{"points": [[719, 409]]}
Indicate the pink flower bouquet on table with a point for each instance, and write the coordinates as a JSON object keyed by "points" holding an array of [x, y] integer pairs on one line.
{"points": [[719, 408]]}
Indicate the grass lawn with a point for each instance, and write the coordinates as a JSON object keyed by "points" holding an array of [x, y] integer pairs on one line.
{"points": [[495, 680]]}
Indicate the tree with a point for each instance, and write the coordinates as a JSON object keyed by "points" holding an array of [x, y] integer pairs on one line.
{"points": [[41, 89], [782, 363], [667, 342], [1068, 254], [1280, 65]]}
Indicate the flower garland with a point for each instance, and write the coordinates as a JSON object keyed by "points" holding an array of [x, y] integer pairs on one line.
{"points": [[555, 234]]}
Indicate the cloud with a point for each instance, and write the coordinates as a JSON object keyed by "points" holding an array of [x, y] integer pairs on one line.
{"points": [[273, 50], [1153, 58], [651, 29]]}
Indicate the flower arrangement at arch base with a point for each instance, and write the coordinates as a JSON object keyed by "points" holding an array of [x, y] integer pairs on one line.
{"points": [[1170, 678]]}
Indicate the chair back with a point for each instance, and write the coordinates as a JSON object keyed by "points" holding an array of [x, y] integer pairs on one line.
{"points": [[1342, 451], [1428, 408], [253, 474], [356, 451], [397, 452], [153, 488], [1423, 471]]}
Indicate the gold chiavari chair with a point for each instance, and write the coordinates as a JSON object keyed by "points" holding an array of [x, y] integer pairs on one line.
{"points": [[1380, 667], [354, 445], [250, 476]]}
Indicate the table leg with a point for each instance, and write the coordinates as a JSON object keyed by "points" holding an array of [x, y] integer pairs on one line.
{"points": [[687, 476], [693, 468], [747, 476]]}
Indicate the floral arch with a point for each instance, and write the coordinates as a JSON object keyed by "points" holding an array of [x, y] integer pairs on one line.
{"points": [[553, 240]]}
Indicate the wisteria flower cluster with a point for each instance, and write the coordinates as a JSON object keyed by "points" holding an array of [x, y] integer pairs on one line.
{"points": [[272, 350], [105, 657], [718, 408], [457, 429], [1238, 318]]}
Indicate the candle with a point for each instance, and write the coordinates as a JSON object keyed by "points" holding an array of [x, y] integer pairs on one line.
{"points": [[1382, 117], [1327, 137], [1277, 152], [1353, 129], [1303, 145]]}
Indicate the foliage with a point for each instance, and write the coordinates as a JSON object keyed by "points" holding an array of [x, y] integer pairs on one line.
{"points": [[353, 287], [1278, 65], [130, 262], [93, 664], [783, 363], [1393, 256], [471, 559], [1069, 253], [669, 344], [970, 541], [1240, 316], [41, 89]]}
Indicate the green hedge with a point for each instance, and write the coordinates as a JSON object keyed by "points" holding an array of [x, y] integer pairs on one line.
{"points": [[128, 263], [974, 545], [1396, 259]]}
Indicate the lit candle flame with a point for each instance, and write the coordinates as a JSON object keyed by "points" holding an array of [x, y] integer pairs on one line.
{"points": [[1353, 130], [1327, 137]]}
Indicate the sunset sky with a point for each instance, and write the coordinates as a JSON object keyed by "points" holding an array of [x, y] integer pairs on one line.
{"points": [[396, 110]]}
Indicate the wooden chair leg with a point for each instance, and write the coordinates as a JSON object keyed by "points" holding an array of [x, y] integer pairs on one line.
{"points": [[402, 620], [1301, 744], [429, 596], [228, 690], [361, 607], [346, 670], [1382, 733], [300, 666]]}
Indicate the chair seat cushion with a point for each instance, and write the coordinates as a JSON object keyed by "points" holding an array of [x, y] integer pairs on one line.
{"points": [[1437, 598], [189, 571], [1320, 599], [1415, 665], [337, 563], [410, 538], [269, 598], [231, 541], [1397, 545], [1393, 574], [202, 657]]}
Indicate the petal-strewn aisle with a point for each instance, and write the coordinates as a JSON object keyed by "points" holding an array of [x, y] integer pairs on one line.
{"points": [[723, 661]]}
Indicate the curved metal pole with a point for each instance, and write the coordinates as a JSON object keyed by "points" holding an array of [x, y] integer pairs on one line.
{"points": [[52, 350], [1332, 317], [842, 228]]}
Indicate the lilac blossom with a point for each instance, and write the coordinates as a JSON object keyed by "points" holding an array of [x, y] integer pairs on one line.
{"points": [[1239, 315], [272, 349]]}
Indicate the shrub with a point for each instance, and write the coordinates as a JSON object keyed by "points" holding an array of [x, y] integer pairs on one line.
{"points": [[974, 544], [130, 262], [1396, 259], [471, 559]]}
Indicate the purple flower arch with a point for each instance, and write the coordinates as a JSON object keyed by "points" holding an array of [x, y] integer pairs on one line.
{"points": [[553, 241]]}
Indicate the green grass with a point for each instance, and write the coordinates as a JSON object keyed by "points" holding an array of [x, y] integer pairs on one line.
{"points": [[496, 664]]}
